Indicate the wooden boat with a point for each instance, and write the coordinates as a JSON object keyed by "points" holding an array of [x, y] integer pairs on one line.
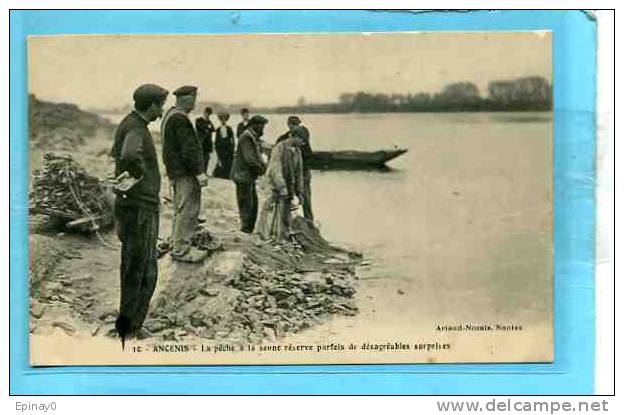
{"points": [[353, 160]]}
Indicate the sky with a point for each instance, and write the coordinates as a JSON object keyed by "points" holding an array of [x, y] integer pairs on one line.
{"points": [[272, 70]]}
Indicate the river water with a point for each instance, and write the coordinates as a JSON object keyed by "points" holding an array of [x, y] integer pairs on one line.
{"points": [[459, 229]]}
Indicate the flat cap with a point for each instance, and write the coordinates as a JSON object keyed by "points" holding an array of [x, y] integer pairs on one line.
{"points": [[258, 119], [185, 90], [149, 93], [293, 119]]}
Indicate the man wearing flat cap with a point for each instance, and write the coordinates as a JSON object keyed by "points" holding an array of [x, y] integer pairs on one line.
{"points": [[184, 163], [247, 167], [136, 208], [242, 126]]}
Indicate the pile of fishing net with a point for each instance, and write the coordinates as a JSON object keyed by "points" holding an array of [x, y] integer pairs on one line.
{"points": [[69, 196], [305, 250]]}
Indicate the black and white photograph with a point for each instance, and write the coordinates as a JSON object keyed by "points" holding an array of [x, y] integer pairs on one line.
{"points": [[291, 198]]}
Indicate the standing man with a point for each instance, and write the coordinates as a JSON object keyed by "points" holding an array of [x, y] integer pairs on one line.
{"points": [[294, 123], [242, 126], [285, 176], [184, 162], [205, 128], [247, 167], [136, 209]]}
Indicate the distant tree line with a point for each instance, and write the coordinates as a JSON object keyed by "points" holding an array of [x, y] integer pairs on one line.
{"points": [[523, 94]]}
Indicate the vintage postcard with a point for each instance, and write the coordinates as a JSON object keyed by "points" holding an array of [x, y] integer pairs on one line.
{"points": [[291, 198]]}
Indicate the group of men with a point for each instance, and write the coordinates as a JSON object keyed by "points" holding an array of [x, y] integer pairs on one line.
{"points": [[185, 154], [223, 141]]}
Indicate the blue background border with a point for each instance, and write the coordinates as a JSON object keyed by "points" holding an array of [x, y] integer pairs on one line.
{"points": [[574, 215]]}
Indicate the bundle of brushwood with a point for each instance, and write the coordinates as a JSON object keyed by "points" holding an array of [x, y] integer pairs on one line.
{"points": [[65, 192]]}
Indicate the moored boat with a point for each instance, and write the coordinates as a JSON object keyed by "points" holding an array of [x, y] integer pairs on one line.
{"points": [[353, 160]]}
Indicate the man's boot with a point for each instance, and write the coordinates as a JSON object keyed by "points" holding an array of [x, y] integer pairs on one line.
{"points": [[193, 255]]}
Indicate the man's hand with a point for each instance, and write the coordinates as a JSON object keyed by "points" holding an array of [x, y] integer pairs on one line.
{"points": [[202, 179], [124, 182], [301, 198], [265, 146]]}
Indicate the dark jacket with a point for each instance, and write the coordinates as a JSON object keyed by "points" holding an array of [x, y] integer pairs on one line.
{"points": [[204, 129], [248, 163], [306, 149], [134, 152], [225, 148], [241, 127], [182, 151]]}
